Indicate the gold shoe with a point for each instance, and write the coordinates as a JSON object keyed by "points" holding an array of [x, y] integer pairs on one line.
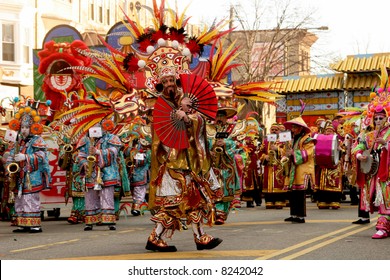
{"points": [[206, 242]]}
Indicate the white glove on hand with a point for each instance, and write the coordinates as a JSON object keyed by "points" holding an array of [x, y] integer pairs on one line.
{"points": [[20, 157]]}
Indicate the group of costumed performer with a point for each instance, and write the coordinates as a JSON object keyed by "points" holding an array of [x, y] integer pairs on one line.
{"points": [[182, 182]]}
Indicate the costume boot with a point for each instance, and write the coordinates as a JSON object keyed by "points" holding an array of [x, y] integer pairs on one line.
{"points": [[204, 241], [382, 227], [155, 243]]}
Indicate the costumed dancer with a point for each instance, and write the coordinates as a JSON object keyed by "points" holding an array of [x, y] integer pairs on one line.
{"points": [[373, 159], [179, 188], [28, 168], [270, 156]]}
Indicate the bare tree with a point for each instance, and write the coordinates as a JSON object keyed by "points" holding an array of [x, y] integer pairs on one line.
{"points": [[275, 40]]}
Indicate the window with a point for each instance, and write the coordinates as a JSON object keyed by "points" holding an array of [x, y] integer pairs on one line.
{"points": [[100, 14], [108, 17], [26, 46], [8, 42], [91, 11]]}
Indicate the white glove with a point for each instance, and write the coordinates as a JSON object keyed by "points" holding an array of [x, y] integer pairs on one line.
{"points": [[19, 194], [20, 157]]}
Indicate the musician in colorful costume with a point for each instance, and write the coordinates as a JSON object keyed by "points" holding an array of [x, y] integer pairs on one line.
{"points": [[252, 184], [270, 155], [33, 175], [223, 149], [137, 155], [375, 183], [300, 160], [103, 176], [328, 188], [74, 182]]}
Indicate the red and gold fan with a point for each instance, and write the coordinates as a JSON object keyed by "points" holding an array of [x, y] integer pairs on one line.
{"points": [[201, 93], [172, 131]]}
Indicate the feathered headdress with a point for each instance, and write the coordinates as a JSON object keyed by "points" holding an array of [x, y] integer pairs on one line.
{"points": [[380, 98]]}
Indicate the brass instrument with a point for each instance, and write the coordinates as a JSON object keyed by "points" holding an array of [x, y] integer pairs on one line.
{"points": [[14, 167], [272, 158], [218, 154], [285, 161], [68, 149], [129, 165], [91, 159]]}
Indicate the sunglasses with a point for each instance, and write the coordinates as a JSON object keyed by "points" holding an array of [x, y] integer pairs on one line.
{"points": [[379, 118]]}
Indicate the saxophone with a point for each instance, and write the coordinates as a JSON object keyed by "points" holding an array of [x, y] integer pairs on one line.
{"points": [[272, 158], [91, 160], [68, 149], [13, 168], [285, 162], [218, 154]]}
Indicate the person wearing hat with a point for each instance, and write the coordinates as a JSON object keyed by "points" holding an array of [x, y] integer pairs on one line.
{"points": [[374, 183], [74, 182], [100, 161], [299, 155], [28, 168], [223, 149], [179, 185], [270, 156], [139, 152], [328, 189]]}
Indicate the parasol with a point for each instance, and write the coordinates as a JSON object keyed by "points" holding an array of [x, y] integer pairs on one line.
{"points": [[171, 131], [201, 93]]}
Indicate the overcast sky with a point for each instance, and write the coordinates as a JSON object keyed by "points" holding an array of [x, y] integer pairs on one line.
{"points": [[355, 26]]}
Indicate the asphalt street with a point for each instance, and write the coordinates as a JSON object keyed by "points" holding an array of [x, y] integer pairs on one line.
{"points": [[249, 234]]}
